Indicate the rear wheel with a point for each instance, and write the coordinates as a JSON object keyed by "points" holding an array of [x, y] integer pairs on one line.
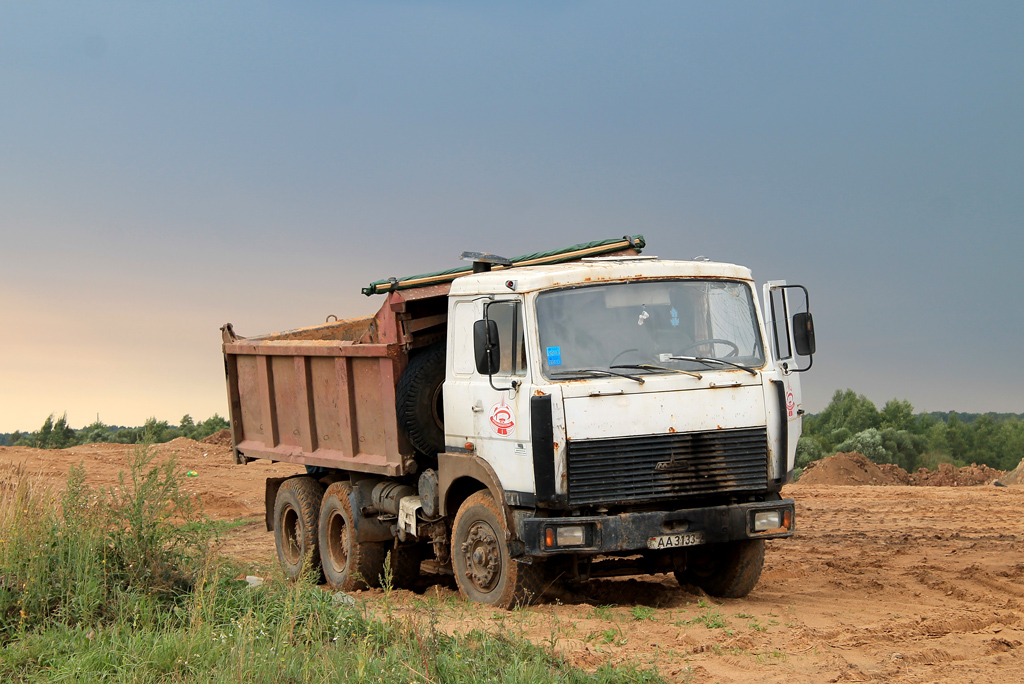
{"points": [[484, 570], [296, 511], [347, 563], [729, 570]]}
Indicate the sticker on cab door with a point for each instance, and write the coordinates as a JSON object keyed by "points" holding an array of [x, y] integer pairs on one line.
{"points": [[503, 421], [790, 400]]}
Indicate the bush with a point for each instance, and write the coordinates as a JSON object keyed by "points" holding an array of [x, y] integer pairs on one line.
{"points": [[807, 450], [931, 460], [867, 442], [886, 446]]}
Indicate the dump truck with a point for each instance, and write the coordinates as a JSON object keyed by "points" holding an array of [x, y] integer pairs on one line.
{"points": [[584, 412]]}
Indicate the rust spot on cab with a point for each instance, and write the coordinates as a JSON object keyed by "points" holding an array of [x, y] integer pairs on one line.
{"points": [[671, 430], [538, 393], [556, 446]]}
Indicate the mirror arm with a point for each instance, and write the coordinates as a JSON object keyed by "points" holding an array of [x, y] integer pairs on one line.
{"points": [[810, 360]]}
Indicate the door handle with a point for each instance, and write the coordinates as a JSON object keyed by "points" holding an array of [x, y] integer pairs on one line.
{"points": [[478, 407]]}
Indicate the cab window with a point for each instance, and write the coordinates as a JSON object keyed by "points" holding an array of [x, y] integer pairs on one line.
{"points": [[509, 318]]}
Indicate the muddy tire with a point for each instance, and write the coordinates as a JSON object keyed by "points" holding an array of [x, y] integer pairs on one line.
{"points": [[296, 512], [405, 566], [483, 568], [728, 570], [348, 564], [419, 400]]}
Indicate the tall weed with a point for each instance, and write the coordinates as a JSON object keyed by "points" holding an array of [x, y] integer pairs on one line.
{"points": [[88, 555]]}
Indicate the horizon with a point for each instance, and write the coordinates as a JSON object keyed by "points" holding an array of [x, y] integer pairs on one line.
{"points": [[809, 414]]}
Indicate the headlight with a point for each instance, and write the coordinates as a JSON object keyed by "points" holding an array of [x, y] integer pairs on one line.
{"points": [[767, 520], [565, 536], [571, 536]]}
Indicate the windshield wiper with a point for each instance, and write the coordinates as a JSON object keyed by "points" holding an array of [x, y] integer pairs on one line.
{"points": [[601, 371], [652, 367], [704, 359]]}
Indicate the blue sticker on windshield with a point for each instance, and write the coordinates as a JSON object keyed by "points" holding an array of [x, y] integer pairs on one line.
{"points": [[554, 356]]}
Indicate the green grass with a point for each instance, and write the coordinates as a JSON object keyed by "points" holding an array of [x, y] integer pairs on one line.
{"points": [[642, 613], [711, 618], [118, 585]]}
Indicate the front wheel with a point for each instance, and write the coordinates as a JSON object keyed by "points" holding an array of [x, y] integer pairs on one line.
{"points": [[729, 570], [484, 570]]}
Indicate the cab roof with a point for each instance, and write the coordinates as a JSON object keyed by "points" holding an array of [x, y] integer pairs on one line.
{"points": [[593, 271]]}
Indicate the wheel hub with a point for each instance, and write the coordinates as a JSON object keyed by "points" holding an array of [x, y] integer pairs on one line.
{"points": [[483, 556], [337, 542], [290, 534]]}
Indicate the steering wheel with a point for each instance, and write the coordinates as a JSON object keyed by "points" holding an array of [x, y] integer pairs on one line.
{"points": [[621, 354], [735, 351]]}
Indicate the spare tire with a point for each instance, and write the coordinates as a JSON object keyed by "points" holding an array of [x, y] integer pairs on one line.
{"points": [[419, 400]]}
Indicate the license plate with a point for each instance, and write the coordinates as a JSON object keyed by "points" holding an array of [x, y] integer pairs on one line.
{"points": [[671, 541]]}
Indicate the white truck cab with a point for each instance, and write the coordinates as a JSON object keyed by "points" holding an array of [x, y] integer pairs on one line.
{"points": [[631, 405]]}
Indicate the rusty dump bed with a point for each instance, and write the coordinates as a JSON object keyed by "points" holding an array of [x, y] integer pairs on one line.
{"points": [[325, 395]]}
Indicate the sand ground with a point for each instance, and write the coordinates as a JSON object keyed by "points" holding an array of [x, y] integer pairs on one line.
{"points": [[881, 583]]}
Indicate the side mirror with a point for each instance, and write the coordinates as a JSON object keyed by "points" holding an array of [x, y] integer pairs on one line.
{"points": [[486, 348], [803, 334]]}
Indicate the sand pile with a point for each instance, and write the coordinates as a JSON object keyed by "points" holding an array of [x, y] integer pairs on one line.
{"points": [[949, 475], [847, 469], [855, 469], [1015, 476], [222, 438]]}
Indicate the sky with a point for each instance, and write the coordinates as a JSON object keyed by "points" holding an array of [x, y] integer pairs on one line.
{"points": [[166, 167]]}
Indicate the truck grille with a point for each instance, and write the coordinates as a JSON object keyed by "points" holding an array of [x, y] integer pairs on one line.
{"points": [[652, 467]]}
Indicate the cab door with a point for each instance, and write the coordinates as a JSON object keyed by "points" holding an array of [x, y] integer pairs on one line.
{"points": [[491, 412], [783, 305]]}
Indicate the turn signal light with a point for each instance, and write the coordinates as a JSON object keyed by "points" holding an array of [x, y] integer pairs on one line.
{"points": [[549, 537], [787, 519]]}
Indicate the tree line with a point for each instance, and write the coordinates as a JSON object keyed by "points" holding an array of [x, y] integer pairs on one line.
{"points": [[57, 434], [850, 422], [895, 434]]}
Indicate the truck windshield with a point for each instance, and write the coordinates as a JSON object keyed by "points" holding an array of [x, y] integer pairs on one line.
{"points": [[648, 324]]}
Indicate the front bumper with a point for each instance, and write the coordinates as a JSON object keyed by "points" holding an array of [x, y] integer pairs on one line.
{"points": [[630, 531]]}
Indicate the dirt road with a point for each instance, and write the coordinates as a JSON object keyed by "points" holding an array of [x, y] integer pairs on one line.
{"points": [[882, 583]]}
